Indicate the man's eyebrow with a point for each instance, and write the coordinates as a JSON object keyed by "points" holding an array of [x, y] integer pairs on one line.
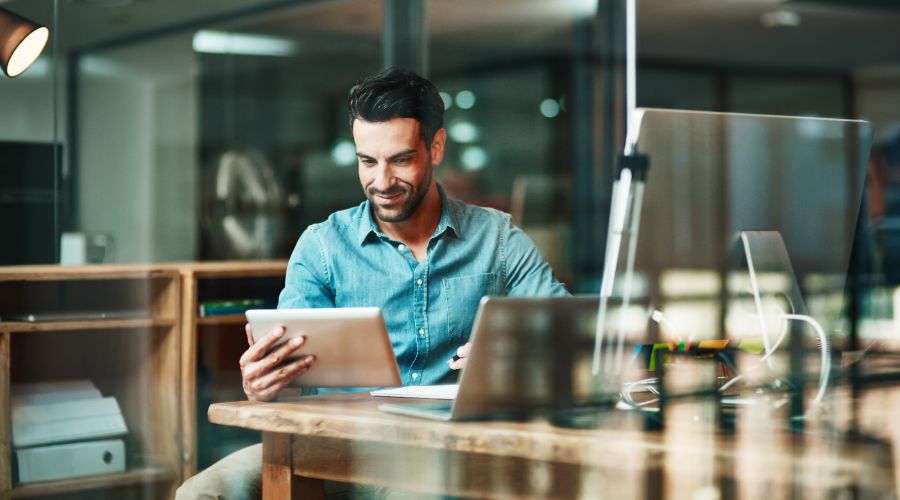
{"points": [[393, 157], [402, 153]]}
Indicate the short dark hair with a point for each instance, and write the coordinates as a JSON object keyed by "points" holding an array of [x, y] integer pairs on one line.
{"points": [[398, 93]]}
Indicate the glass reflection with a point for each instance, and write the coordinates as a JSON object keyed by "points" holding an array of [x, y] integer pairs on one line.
{"points": [[135, 112]]}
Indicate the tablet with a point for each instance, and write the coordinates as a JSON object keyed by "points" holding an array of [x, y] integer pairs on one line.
{"points": [[351, 344]]}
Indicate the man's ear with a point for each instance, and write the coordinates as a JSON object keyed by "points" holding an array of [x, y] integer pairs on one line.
{"points": [[437, 147]]}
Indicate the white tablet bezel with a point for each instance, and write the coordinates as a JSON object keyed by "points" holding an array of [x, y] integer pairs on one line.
{"points": [[351, 344]]}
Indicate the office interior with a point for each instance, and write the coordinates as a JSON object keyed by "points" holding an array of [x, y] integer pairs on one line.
{"points": [[160, 159]]}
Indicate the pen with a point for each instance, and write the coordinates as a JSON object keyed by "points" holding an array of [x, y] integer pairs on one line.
{"points": [[455, 357]]}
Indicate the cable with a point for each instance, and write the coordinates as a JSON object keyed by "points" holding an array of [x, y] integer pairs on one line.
{"points": [[826, 365], [660, 318]]}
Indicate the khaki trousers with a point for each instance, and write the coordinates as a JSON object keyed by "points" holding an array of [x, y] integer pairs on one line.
{"points": [[239, 477]]}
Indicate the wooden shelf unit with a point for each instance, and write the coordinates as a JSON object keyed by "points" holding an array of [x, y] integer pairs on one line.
{"points": [[135, 359], [157, 354], [222, 339], [134, 477]]}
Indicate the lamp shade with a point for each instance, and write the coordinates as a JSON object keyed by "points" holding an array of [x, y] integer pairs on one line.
{"points": [[21, 42]]}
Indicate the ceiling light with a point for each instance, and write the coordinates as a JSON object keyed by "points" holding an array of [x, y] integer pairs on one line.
{"points": [[343, 153], [780, 19], [105, 3], [40, 69], [473, 158], [21, 42], [447, 98], [465, 99], [463, 132], [220, 42], [549, 108]]}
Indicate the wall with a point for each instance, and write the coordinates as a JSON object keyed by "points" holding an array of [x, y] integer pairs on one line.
{"points": [[878, 99], [137, 155]]}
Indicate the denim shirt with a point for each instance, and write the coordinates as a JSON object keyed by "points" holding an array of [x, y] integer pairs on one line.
{"points": [[428, 306]]}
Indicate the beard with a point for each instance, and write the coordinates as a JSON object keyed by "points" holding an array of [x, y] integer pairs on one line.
{"points": [[414, 196]]}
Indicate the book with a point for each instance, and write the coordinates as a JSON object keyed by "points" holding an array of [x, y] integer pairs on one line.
{"points": [[223, 307]]}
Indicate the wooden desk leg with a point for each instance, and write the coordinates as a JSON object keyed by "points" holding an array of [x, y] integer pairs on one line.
{"points": [[279, 482]]}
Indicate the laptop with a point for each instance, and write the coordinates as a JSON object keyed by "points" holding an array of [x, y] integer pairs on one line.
{"points": [[525, 353]]}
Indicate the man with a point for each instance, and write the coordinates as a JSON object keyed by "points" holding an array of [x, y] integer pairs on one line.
{"points": [[425, 259]]}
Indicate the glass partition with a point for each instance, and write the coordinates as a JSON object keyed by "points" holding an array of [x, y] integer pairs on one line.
{"points": [[31, 149], [185, 146]]}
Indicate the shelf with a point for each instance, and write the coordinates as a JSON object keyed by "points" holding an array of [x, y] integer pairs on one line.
{"points": [[99, 324], [225, 319], [128, 478], [233, 269], [82, 273], [53, 272]]}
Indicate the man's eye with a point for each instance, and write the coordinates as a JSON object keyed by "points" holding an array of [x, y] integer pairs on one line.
{"points": [[402, 161], [367, 161]]}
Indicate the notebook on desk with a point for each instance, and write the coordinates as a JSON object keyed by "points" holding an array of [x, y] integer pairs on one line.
{"points": [[521, 363]]}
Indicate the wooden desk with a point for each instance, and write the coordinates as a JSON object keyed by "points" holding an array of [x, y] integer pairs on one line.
{"points": [[345, 438]]}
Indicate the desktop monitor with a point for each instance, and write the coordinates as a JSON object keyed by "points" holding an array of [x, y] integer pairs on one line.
{"points": [[714, 175]]}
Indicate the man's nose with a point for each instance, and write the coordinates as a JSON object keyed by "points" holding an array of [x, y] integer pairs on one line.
{"points": [[384, 178]]}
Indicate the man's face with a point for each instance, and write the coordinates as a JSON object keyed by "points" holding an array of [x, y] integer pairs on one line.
{"points": [[395, 166]]}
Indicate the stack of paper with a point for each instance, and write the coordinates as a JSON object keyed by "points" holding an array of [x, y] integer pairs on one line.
{"points": [[420, 391], [44, 415]]}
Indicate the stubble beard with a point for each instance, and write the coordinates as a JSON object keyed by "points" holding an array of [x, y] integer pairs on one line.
{"points": [[409, 207]]}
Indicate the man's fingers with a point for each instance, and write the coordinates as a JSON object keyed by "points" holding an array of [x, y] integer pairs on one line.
{"points": [[261, 367], [268, 386], [283, 374], [462, 352], [284, 350], [271, 392], [274, 389], [459, 364], [258, 349], [249, 334]]}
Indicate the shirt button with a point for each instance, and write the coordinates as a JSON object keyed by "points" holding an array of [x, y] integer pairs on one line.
{"points": [[419, 282], [401, 247], [415, 376], [421, 331]]}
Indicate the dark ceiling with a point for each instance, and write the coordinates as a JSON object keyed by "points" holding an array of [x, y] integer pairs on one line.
{"points": [[831, 34]]}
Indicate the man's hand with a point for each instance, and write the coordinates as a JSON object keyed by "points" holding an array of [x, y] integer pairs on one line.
{"points": [[262, 376], [462, 355]]}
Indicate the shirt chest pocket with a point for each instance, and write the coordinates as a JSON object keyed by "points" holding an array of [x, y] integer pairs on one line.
{"points": [[461, 298]]}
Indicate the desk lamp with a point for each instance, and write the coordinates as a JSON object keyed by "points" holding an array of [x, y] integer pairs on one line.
{"points": [[624, 220], [21, 42]]}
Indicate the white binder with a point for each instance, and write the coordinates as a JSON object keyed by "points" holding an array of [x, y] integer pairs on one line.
{"points": [[39, 424], [61, 461], [53, 392]]}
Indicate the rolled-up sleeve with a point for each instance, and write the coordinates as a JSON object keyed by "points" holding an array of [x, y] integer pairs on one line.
{"points": [[308, 281], [527, 274]]}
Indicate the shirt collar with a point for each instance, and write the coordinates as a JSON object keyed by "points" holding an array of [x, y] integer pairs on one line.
{"points": [[449, 219], [449, 216]]}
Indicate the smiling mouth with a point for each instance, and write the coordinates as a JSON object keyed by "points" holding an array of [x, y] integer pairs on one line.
{"points": [[389, 199]]}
